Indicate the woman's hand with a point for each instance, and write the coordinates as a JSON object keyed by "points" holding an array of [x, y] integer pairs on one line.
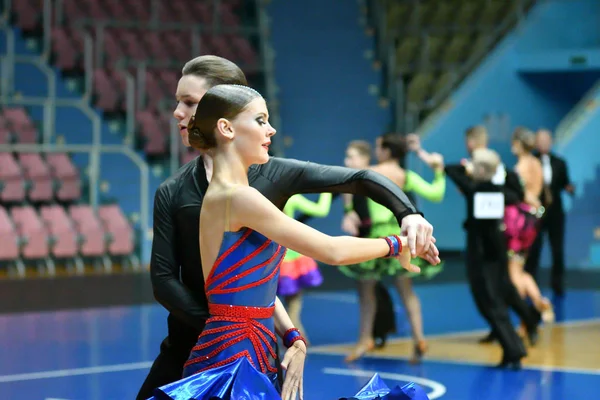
{"points": [[435, 161], [293, 364], [405, 257]]}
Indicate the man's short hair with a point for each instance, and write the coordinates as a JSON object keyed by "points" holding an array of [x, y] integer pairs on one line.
{"points": [[215, 70]]}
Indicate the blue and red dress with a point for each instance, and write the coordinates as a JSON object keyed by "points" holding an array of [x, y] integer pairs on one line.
{"points": [[235, 355]]}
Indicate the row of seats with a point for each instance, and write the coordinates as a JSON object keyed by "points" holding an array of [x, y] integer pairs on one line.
{"points": [[454, 14], [125, 47], [29, 12], [129, 46], [436, 52], [63, 233], [434, 40], [16, 126], [29, 176]]}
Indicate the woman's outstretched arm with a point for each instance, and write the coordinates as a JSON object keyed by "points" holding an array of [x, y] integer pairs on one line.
{"points": [[251, 209]]}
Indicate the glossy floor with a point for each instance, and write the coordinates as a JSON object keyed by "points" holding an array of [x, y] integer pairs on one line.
{"points": [[105, 353]]}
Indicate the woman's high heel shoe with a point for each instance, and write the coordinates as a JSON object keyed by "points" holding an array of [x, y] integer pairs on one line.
{"points": [[421, 348], [362, 347]]}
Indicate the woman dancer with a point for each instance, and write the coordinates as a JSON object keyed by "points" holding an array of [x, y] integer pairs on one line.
{"points": [[522, 220], [390, 150], [239, 235], [297, 271]]}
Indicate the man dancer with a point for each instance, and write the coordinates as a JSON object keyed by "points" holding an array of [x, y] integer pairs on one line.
{"points": [[487, 257], [477, 138], [556, 179], [177, 278]]}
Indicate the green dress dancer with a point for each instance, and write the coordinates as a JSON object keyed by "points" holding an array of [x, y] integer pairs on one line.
{"points": [[384, 223]]}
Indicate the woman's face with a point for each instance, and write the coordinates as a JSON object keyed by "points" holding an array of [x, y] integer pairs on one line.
{"points": [[252, 132], [381, 154], [516, 148], [354, 159]]}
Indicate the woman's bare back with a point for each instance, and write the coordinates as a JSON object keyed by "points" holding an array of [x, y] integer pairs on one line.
{"points": [[213, 223], [393, 172], [529, 168]]}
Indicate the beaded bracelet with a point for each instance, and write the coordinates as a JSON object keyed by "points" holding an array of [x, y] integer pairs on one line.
{"points": [[292, 335], [395, 245]]}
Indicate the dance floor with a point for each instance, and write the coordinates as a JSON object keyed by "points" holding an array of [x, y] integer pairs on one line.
{"points": [[105, 353]]}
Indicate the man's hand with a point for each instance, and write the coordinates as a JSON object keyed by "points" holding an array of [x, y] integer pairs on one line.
{"points": [[419, 237]]}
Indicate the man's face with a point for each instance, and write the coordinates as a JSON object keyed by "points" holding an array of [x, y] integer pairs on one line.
{"points": [[190, 90], [354, 159], [543, 141]]}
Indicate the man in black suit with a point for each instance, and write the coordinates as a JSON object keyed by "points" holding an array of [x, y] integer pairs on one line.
{"points": [[492, 290], [556, 179]]}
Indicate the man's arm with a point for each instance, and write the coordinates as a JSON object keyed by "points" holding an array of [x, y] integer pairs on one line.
{"points": [[307, 177], [458, 174], [164, 266], [567, 180]]}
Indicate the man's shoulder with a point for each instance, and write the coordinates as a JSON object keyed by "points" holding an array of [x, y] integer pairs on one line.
{"points": [[171, 184], [277, 165]]}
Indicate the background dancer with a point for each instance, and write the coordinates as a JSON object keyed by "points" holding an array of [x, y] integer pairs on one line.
{"points": [[390, 150], [357, 222], [298, 271], [177, 280], [486, 249], [556, 179], [522, 221], [476, 137]]}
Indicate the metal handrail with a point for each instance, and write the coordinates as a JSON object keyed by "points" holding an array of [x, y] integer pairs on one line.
{"points": [[95, 152], [51, 101]]}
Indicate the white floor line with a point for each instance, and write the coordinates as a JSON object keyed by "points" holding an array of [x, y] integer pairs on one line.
{"points": [[61, 373]]}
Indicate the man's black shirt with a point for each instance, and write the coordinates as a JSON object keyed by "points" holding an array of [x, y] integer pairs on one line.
{"points": [[176, 269]]}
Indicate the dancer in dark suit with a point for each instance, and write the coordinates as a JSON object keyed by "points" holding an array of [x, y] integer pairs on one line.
{"points": [[556, 179]]}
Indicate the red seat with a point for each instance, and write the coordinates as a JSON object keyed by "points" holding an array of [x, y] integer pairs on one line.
{"points": [[67, 57], [67, 174], [107, 97], [20, 124], [9, 250], [63, 233], [36, 170], [89, 227], [32, 229], [11, 176], [115, 223]]}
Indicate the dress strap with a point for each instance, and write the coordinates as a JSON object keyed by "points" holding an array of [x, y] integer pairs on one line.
{"points": [[228, 193]]}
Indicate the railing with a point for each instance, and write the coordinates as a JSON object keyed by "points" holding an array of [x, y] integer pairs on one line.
{"points": [[94, 171], [572, 121]]}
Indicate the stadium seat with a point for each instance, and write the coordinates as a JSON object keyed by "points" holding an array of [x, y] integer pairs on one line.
{"points": [[11, 176], [33, 232], [9, 251], [37, 172], [122, 243], [63, 240], [65, 172]]}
